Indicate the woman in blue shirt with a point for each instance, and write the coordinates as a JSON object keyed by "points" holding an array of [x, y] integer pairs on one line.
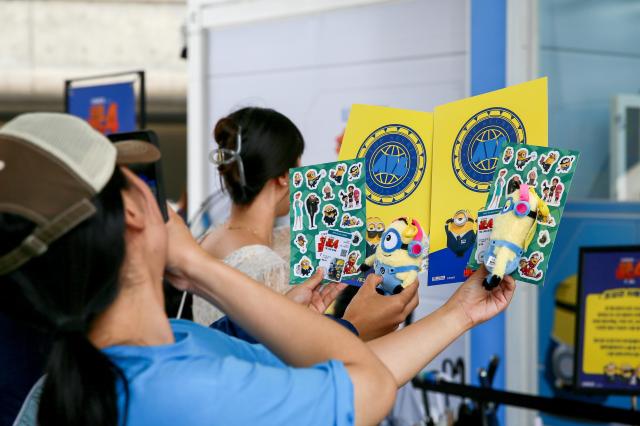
{"points": [[84, 242]]}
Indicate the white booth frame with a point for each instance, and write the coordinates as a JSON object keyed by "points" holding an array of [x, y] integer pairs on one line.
{"points": [[521, 324]]}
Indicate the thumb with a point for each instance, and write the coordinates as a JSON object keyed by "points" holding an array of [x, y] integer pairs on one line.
{"points": [[315, 280], [370, 283]]}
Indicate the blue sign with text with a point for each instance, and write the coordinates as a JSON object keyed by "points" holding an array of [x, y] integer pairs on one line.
{"points": [[109, 108]]}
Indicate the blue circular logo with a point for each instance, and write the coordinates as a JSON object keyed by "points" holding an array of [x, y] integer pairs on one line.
{"points": [[395, 160], [478, 144]]}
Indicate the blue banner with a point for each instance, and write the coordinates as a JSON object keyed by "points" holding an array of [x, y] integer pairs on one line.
{"points": [[109, 108]]}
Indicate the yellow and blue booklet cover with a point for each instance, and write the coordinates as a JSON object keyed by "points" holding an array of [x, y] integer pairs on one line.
{"points": [[467, 138], [397, 147]]}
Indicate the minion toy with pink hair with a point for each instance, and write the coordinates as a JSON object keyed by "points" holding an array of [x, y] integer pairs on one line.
{"points": [[513, 231], [399, 255]]}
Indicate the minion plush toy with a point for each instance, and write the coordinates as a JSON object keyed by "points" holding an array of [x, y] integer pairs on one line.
{"points": [[399, 255], [461, 232], [513, 230]]}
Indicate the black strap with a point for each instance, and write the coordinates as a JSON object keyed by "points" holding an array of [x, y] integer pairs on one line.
{"points": [[559, 406]]}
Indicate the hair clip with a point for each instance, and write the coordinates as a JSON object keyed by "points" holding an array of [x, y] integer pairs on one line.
{"points": [[224, 156]]}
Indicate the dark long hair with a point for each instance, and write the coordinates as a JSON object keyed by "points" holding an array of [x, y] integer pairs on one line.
{"points": [[61, 292], [271, 145]]}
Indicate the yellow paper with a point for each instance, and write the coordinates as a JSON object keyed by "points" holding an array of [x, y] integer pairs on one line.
{"points": [[397, 146], [611, 330], [466, 139]]}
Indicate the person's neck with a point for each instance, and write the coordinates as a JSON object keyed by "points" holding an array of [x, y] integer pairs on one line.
{"points": [[257, 218], [137, 316]]}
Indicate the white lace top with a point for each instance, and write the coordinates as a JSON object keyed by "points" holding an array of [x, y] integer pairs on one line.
{"points": [[263, 264]]}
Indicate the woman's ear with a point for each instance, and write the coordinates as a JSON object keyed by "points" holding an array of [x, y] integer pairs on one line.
{"points": [[133, 212], [134, 203], [283, 180]]}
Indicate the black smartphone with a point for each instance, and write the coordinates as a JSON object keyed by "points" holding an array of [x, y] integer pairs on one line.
{"points": [[151, 173]]}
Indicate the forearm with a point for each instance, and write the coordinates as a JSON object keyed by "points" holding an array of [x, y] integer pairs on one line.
{"points": [[281, 327], [409, 350], [296, 335]]}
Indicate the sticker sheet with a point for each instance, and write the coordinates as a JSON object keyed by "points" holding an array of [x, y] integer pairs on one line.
{"points": [[466, 141], [550, 171], [328, 221], [396, 147]]}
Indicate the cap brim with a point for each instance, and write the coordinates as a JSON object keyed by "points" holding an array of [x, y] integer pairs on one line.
{"points": [[136, 151]]}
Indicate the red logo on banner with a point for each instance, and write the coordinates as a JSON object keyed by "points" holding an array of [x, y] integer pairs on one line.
{"points": [[104, 120], [627, 270]]}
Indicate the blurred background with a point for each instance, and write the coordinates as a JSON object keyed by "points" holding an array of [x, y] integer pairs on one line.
{"points": [[313, 59]]}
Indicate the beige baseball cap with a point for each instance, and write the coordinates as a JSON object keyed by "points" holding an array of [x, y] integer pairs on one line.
{"points": [[51, 166]]}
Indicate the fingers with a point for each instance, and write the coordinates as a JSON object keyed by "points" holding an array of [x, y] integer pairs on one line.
{"points": [[508, 285], [317, 302], [413, 303], [407, 300], [315, 279], [478, 274], [408, 293], [370, 283], [330, 292]]}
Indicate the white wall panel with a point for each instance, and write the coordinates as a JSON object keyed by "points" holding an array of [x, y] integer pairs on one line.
{"points": [[385, 32], [318, 100]]}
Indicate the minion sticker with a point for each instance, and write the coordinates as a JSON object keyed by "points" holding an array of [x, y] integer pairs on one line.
{"points": [[354, 172], [301, 243], [356, 237], [313, 178], [508, 155], [529, 268], [543, 238], [327, 192], [337, 174], [375, 229], [565, 163], [461, 232], [547, 161], [297, 179], [329, 215], [351, 268], [523, 158], [349, 221], [304, 268]]}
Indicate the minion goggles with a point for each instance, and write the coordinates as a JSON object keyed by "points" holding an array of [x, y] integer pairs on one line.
{"points": [[392, 241], [520, 208]]}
